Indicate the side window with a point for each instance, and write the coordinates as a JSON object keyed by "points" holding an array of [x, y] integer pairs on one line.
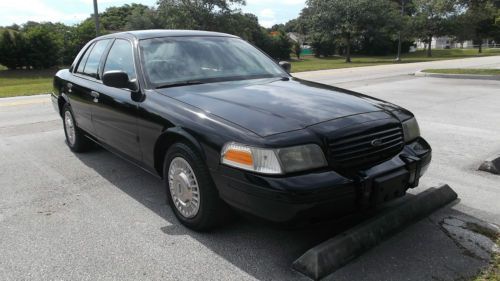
{"points": [[83, 60], [121, 57], [92, 64]]}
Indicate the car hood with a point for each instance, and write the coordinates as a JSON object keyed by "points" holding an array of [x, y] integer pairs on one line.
{"points": [[271, 106]]}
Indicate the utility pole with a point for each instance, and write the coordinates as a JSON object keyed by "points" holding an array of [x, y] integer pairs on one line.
{"points": [[96, 18], [398, 58]]}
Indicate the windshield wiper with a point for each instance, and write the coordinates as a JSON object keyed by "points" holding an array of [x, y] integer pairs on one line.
{"points": [[180, 84]]}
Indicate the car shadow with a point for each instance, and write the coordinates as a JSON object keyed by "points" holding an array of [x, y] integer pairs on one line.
{"points": [[264, 251]]}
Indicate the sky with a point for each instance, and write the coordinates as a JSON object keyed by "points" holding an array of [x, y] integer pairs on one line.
{"points": [[269, 12]]}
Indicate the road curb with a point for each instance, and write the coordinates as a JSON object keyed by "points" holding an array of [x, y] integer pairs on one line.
{"points": [[491, 165], [332, 254], [458, 76], [25, 97]]}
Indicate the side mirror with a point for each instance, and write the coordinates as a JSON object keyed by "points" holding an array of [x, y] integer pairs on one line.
{"points": [[118, 79], [286, 66]]}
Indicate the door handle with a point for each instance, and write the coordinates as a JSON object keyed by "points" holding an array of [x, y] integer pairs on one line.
{"points": [[95, 95]]}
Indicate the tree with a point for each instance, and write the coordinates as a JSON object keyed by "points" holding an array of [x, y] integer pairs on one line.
{"points": [[41, 45], [195, 14], [278, 27], [44, 47], [142, 17], [478, 21], [432, 18], [291, 25], [75, 37], [279, 46], [35, 45], [349, 19], [246, 26], [12, 46], [116, 18], [15, 27], [297, 49], [323, 45], [220, 15], [299, 27]]}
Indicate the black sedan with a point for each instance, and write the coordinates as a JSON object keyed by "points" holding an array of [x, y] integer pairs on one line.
{"points": [[227, 127]]}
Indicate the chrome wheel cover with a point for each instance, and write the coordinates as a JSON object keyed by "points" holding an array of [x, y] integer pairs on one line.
{"points": [[70, 128], [184, 187]]}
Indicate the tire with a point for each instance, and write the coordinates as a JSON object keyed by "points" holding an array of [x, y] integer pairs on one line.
{"points": [[185, 190], [75, 138]]}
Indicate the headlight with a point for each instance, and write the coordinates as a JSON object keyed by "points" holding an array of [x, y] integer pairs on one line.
{"points": [[273, 161], [411, 129]]}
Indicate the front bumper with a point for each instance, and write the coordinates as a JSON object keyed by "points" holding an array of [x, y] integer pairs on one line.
{"points": [[325, 193]]}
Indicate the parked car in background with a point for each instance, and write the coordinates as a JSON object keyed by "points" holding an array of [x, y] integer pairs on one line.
{"points": [[226, 127]]}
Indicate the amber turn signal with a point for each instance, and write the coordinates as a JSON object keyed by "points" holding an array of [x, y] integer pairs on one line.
{"points": [[238, 156]]}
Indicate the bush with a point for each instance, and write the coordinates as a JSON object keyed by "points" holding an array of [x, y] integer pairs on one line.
{"points": [[381, 45], [280, 46], [323, 46], [276, 44], [44, 48], [36, 46], [12, 49]]}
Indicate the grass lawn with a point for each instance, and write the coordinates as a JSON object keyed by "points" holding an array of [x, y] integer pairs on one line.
{"points": [[474, 71], [492, 273], [310, 63], [25, 82]]}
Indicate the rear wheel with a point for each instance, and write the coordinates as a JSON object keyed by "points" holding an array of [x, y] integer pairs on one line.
{"points": [[190, 191], [75, 138]]}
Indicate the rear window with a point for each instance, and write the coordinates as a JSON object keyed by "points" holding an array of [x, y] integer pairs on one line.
{"points": [[89, 65], [83, 60]]}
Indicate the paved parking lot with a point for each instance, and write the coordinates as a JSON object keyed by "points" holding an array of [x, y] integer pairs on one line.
{"points": [[94, 216]]}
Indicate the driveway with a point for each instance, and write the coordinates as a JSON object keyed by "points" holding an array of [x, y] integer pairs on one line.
{"points": [[94, 216]]}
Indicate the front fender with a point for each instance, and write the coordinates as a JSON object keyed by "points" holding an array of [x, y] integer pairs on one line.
{"points": [[168, 138]]}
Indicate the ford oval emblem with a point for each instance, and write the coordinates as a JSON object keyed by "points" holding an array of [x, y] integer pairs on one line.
{"points": [[376, 142]]}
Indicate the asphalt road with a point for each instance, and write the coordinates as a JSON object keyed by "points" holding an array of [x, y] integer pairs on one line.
{"points": [[94, 216]]}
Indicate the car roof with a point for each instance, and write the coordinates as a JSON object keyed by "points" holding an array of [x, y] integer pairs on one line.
{"points": [[156, 33]]}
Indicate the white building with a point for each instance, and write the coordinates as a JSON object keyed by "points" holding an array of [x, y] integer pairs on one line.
{"points": [[445, 42]]}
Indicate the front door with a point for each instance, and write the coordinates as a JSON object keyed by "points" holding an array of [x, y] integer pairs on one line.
{"points": [[115, 113]]}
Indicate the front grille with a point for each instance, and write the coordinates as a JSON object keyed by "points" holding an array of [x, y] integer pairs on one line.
{"points": [[368, 148]]}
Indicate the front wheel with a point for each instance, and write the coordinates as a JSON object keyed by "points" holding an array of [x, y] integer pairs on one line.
{"points": [[75, 138], [190, 191]]}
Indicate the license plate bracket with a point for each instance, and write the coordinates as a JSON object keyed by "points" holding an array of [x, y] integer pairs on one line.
{"points": [[389, 187]]}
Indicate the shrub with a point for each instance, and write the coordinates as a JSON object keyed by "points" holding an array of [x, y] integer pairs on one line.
{"points": [[323, 46], [44, 48], [12, 49]]}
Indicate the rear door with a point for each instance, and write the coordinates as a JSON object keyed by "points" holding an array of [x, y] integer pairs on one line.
{"points": [[115, 114], [86, 80]]}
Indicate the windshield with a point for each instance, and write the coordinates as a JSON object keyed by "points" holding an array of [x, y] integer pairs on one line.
{"points": [[172, 60]]}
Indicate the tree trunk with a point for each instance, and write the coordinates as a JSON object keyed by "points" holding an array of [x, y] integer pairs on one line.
{"points": [[429, 50], [398, 57], [480, 50], [348, 48]]}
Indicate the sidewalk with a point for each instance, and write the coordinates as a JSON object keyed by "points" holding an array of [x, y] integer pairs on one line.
{"points": [[335, 76]]}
